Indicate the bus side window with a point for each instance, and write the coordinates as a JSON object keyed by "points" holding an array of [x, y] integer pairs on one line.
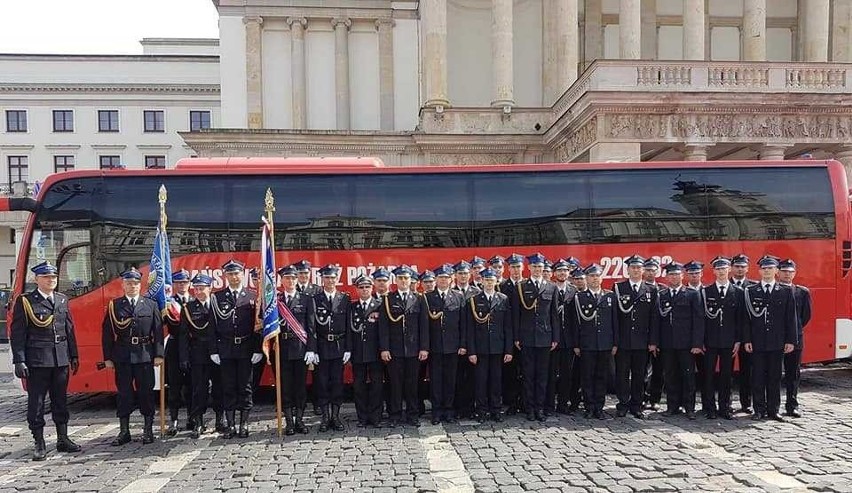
{"points": [[75, 270]]}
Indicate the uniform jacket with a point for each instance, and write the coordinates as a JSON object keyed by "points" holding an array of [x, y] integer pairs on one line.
{"points": [[446, 331], [196, 332], [724, 318], [51, 346], [637, 315], [363, 330], [772, 320], [302, 307], [234, 319], [803, 310], [494, 334], [330, 319], [125, 330], [310, 289], [564, 302], [537, 326], [469, 292], [173, 329], [594, 321], [409, 334], [681, 320]]}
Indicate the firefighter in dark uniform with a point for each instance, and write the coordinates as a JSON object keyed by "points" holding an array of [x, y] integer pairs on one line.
{"points": [[637, 314], [403, 344], [739, 272], [177, 380], [381, 279], [427, 281], [793, 360], [536, 321], [367, 369], [477, 264], [195, 336], [680, 337], [304, 282], [497, 264], [132, 340], [331, 312], [44, 347], [655, 373], [427, 284], [465, 376], [236, 346], [769, 334], [594, 337], [561, 358], [693, 272], [256, 368], [488, 328], [570, 391], [294, 356], [512, 391], [447, 343], [724, 316]]}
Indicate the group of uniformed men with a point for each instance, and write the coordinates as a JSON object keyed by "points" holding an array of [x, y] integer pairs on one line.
{"points": [[479, 337]]}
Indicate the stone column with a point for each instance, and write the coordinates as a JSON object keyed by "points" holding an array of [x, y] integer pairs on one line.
{"points": [[341, 71], [772, 152], [386, 95], [568, 43], [503, 88], [695, 152], [816, 31], [297, 62], [754, 31], [434, 19], [649, 29], [693, 30], [840, 31], [629, 29], [593, 30], [549, 70], [254, 71]]}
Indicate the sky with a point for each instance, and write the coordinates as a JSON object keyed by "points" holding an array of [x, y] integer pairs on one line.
{"points": [[100, 26]]}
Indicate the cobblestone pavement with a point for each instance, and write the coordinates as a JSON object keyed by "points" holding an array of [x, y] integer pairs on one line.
{"points": [[813, 453]]}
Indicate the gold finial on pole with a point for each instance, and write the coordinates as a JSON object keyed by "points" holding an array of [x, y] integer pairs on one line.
{"points": [[162, 197]]}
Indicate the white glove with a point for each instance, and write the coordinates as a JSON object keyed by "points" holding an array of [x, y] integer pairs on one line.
{"points": [[346, 357], [215, 358], [309, 357], [316, 358], [256, 357]]}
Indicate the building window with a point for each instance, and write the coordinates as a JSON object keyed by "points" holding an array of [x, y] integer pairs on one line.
{"points": [[199, 120], [110, 162], [107, 120], [63, 163], [155, 162], [16, 121], [63, 121], [12, 236], [155, 121], [18, 169]]}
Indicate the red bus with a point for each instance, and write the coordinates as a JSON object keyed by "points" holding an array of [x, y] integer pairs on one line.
{"points": [[362, 215]]}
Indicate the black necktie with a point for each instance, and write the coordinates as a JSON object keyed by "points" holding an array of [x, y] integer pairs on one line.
{"points": [[635, 288], [722, 291], [50, 299], [133, 303], [364, 306], [288, 299], [766, 288], [442, 297]]}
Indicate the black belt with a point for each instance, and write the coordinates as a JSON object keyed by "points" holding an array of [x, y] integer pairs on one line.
{"points": [[141, 340], [333, 337], [239, 340], [58, 338], [287, 335]]}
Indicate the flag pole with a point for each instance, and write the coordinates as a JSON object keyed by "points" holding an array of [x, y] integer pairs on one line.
{"points": [[269, 208], [162, 199]]}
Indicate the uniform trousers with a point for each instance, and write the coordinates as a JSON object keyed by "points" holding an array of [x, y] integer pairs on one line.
{"points": [[630, 367], [766, 381], [294, 385], [745, 388], [329, 381], [200, 378], [442, 379], [134, 383], [41, 382], [680, 379], [792, 377], [535, 362], [237, 384], [489, 383], [403, 373], [594, 370], [368, 388], [713, 382]]}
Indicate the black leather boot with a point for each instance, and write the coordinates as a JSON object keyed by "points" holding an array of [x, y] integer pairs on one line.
{"points": [[63, 443], [336, 424], [220, 422], [289, 427], [173, 426], [299, 424], [230, 431], [123, 433], [148, 430], [244, 417], [324, 420], [39, 448]]}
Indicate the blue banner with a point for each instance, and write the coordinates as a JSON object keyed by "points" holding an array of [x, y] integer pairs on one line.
{"points": [[160, 275]]}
